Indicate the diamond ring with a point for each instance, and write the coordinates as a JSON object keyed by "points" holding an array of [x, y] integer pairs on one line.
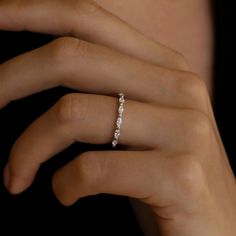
{"points": [[119, 119]]}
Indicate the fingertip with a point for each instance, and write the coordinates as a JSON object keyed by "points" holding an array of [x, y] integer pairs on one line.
{"points": [[17, 186], [59, 193], [13, 184], [6, 177], [3, 104]]}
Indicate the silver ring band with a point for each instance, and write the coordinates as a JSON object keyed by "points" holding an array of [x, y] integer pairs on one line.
{"points": [[119, 119]]}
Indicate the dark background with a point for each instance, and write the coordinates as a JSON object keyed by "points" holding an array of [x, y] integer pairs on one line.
{"points": [[36, 211]]}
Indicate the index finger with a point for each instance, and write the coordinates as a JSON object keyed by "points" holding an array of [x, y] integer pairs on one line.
{"points": [[86, 20]]}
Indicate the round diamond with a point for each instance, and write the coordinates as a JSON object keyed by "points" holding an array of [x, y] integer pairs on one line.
{"points": [[114, 143]]}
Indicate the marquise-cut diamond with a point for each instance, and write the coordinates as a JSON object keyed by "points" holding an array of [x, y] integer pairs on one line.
{"points": [[121, 100], [119, 122], [117, 134], [121, 109], [119, 119]]}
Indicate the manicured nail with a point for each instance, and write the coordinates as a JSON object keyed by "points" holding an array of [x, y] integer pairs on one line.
{"points": [[7, 177]]}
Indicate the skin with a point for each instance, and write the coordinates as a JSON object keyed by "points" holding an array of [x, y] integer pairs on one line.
{"points": [[187, 26], [172, 159]]}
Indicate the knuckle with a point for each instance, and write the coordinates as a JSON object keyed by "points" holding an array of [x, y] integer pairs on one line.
{"points": [[197, 84], [66, 47], [82, 15], [180, 61], [194, 88], [87, 7], [91, 168], [71, 107], [83, 11], [189, 175], [198, 125]]}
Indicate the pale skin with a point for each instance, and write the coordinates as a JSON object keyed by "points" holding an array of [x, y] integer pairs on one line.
{"points": [[172, 161]]}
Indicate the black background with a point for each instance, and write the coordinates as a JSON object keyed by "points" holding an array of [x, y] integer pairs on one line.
{"points": [[36, 211]]}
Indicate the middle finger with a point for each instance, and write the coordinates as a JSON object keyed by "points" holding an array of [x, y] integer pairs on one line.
{"points": [[94, 69]]}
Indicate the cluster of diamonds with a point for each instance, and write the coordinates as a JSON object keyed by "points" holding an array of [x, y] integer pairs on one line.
{"points": [[119, 119]]}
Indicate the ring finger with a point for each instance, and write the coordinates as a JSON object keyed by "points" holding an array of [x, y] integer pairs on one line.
{"points": [[89, 118]]}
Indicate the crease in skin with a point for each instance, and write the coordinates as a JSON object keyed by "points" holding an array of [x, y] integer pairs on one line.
{"points": [[6, 174], [186, 26], [93, 28]]}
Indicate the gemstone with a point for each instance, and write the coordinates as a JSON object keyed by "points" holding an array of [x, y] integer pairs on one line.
{"points": [[121, 109], [117, 134], [119, 122], [114, 143], [121, 100]]}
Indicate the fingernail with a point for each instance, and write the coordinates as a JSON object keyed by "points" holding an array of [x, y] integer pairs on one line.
{"points": [[7, 177]]}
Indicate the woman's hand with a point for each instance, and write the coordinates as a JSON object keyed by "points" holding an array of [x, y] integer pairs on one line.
{"points": [[172, 160]]}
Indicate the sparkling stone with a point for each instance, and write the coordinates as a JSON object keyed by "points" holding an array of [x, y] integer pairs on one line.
{"points": [[121, 100], [121, 109], [114, 143], [117, 134], [119, 122]]}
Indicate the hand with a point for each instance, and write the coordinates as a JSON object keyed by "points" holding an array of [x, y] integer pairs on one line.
{"points": [[173, 158]]}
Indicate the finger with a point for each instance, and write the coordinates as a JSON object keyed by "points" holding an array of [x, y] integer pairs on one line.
{"points": [[91, 119], [127, 173], [95, 69], [88, 21]]}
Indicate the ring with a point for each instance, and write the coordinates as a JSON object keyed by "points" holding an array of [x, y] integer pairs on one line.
{"points": [[119, 119]]}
